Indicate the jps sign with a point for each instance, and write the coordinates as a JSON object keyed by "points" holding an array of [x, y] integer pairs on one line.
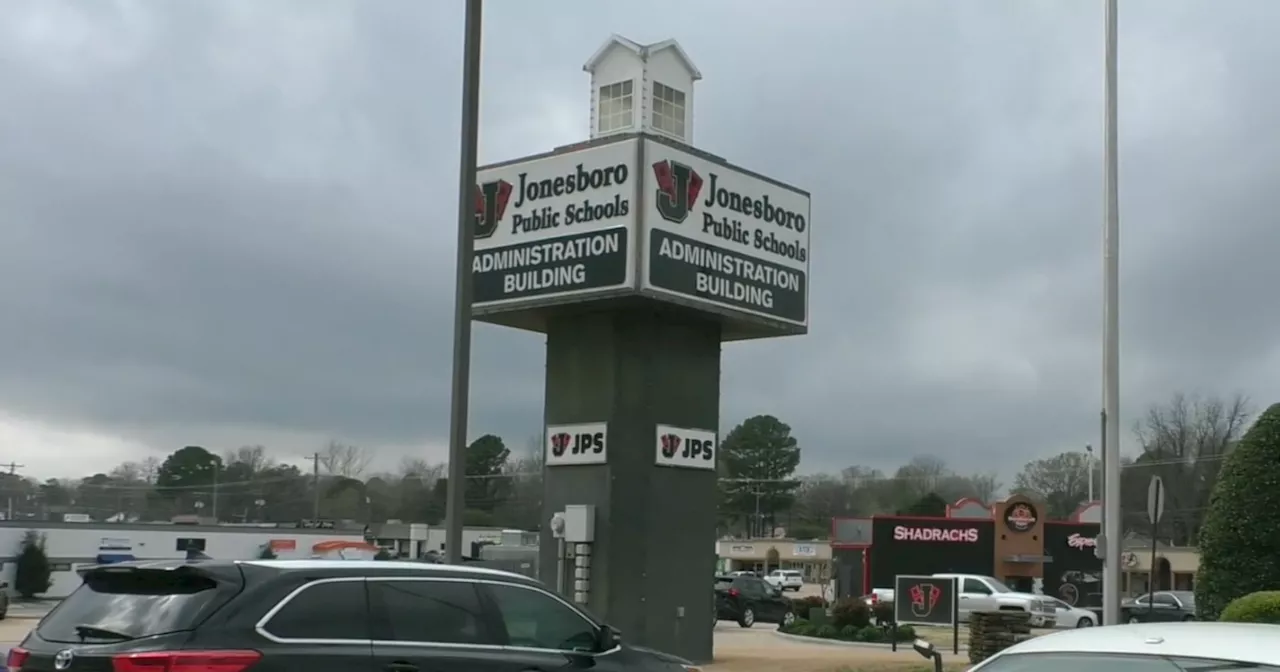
{"points": [[689, 448], [577, 444]]}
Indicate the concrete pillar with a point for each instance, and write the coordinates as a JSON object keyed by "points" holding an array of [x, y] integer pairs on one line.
{"points": [[654, 554]]}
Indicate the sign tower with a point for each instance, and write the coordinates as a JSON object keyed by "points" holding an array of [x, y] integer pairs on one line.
{"points": [[637, 256]]}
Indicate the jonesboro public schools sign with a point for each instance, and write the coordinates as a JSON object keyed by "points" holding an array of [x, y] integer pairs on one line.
{"points": [[722, 236], [563, 227], [554, 226]]}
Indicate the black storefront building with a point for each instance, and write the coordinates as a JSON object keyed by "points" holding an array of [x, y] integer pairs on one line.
{"points": [[1011, 543]]}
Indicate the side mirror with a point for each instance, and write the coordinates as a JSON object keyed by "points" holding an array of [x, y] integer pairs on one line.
{"points": [[607, 638]]}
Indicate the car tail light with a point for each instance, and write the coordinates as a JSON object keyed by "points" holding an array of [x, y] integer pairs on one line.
{"points": [[185, 661], [17, 658], [733, 592]]}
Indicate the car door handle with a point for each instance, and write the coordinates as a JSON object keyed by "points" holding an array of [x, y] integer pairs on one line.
{"points": [[965, 597], [400, 666]]}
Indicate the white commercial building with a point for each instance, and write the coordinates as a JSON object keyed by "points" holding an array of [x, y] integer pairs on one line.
{"points": [[72, 545]]}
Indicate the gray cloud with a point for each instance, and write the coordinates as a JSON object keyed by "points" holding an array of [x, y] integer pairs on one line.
{"points": [[235, 219]]}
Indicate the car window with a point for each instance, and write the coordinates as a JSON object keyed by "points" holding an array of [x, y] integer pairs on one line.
{"points": [[133, 604], [337, 610], [1165, 600], [751, 586], [446, 612], [1107, 662], [1142, 599], [975, 586], [535, 619]]}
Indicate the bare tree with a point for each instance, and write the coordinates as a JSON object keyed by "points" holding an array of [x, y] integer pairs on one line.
{"points": [[1183, 442], [423, 470], [985, 486], [150, 467], [341, 459], [254, 458]]}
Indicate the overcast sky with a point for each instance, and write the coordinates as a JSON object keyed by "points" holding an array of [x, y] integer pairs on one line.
{"points": [[231, 222]]}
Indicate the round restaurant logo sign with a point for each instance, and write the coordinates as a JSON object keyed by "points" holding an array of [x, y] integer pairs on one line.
{"points": [[1021, 517]]}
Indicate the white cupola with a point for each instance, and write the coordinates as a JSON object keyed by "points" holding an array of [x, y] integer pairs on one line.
{"points": [[642, 87]]}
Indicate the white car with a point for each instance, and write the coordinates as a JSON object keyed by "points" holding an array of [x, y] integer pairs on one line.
{"points": [[1190, 646], [1074, 617], [785, 579]]}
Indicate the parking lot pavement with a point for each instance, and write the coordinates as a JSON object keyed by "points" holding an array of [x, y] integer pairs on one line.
{"points": [[35, 610], [758, 649]]}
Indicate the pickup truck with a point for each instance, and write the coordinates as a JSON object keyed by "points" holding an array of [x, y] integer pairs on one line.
{"points": [[986, 593]]}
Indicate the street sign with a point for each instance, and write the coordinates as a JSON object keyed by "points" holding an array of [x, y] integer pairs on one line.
{"points": [[1155, 500]]}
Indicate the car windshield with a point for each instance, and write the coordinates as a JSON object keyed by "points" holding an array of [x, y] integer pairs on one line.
{"points": [[996, 585], [1107, 662], [129, 605]]}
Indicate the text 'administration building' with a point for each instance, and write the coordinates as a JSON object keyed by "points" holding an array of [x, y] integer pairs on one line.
{"points": [[1010, 541]]}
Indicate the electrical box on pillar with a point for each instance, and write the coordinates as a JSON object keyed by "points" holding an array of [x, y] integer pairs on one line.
{"points": [[580, 523]]}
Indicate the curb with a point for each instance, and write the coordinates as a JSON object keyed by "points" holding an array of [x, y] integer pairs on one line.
{"points": [[902, 646]]}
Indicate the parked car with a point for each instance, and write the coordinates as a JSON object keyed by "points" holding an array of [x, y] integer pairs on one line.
{"points": [[750, 600], [986, 593], [785, 579], [285, 615], [878, 595], [1162, 647], [1177, 605], [1073, 617]]}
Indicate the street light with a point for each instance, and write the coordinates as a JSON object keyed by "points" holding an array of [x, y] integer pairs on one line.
{"points": [[1111, 527]]}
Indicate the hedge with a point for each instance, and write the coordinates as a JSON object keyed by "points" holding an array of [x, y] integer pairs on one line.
{"points": [[1260, 607]]}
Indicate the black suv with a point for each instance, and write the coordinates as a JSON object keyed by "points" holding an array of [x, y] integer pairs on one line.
{"points": [[316, 615], [750, 599]]}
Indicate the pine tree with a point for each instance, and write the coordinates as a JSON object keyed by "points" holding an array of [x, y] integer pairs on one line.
{"points": [[33, 574]]}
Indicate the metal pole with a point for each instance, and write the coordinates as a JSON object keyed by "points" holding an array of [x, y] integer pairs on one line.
{"points": [[1152, 586], [315, 486], [215, 492], [462, 297], [1088, 451], [1111, 338]]}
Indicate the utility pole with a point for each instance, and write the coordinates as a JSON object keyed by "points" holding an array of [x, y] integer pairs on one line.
{"points": [[315, 485], [758, 520], [13, 471], [461, 392]]}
